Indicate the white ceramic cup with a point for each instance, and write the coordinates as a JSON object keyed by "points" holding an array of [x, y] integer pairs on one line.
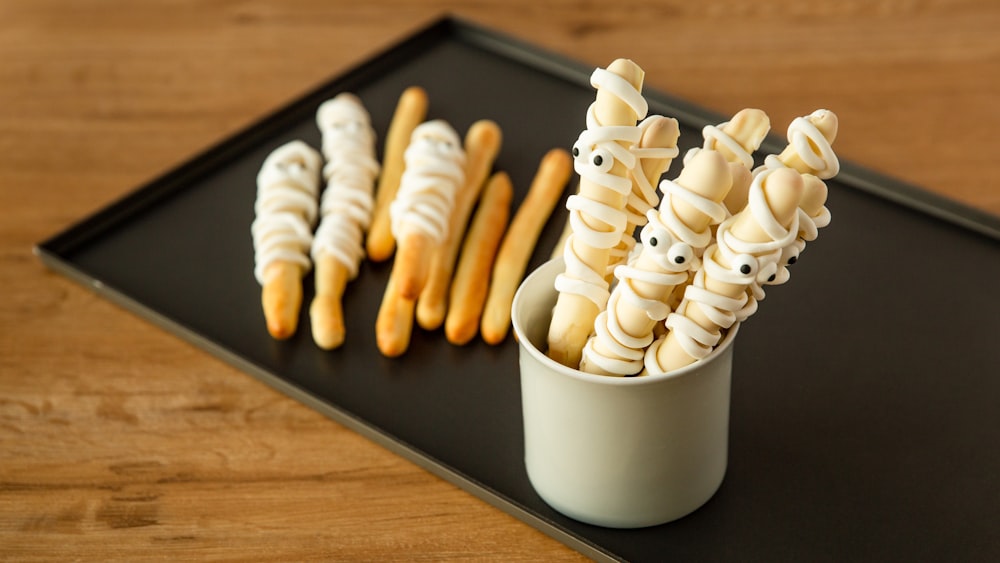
{"points": [[613, 451]]}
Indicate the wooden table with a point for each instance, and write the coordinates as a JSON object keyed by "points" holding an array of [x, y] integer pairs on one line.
{"points": [[118, 440]]}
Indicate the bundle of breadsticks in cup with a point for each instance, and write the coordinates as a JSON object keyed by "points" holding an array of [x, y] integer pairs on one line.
{"points": [[708, 242]]}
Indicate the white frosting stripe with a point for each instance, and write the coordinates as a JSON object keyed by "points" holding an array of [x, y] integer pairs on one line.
{"points": [[286, 207], [621, 88], [434, 171], [347, 202]]}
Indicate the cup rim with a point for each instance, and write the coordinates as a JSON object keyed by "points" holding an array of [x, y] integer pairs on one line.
{"points": [[525, 343]]}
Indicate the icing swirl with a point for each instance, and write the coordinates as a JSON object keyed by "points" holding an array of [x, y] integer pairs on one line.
{"points": [[286, 208], [803, 136], [347, 202], [435, 169]]}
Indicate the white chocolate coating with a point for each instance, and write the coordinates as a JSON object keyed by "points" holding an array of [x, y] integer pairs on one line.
{"points": [[750, 264], [286, 207], [350, 172], [595, 153], [435, 169]]}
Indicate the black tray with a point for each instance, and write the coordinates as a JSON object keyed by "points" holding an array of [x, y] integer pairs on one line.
{"points": [[865, 417]]}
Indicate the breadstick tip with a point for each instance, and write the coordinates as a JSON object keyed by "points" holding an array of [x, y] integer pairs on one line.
{"points": [[327, 319], [783, 191], [281, 299]]}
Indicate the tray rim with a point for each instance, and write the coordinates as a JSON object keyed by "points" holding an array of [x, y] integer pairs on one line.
{"points": [[52, 251]]}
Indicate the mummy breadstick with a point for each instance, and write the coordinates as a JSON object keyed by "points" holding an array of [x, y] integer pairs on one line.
{"points": [[468, 292], [434, 170], [519, 242], [286, 210], [411, 110], [345, 210], [810, 152], [748, 246], [597, 213], [655, 151], [482, 143], [673, 239]]}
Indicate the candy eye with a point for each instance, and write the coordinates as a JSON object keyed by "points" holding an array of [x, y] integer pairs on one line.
{"points": [[577, 151], [768, 273], [680, 253], [602, 160], [745, 265], [657, 240]]}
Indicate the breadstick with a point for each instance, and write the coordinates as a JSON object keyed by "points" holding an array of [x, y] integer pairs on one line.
{"points": [[655, 151], [672, 240], [602, 158], [519, 242], [809, 149], [434, 170], [346, 210], [286, 210], [482, 143], [747, 248], [420, 213], [560, 246], [411, 110], [468, 292]]}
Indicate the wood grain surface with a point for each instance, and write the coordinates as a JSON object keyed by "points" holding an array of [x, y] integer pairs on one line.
{"points": [[120, 441]]}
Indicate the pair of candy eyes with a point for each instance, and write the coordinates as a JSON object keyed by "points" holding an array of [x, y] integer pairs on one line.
{"points": [[678, 253], [599, 158]]}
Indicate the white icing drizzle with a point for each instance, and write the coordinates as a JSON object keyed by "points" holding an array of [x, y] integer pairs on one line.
{"points": [[646, 197], [347, 202], [595, 153], [286, 208], [802, 136], [435, 169], [714, 136], [749, 264], [674, 248]]}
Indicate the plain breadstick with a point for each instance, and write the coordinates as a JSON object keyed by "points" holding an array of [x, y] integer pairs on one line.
{"points": [[519, 242], [410, 112], [584, 288], [482, 143], [468, 291]]}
